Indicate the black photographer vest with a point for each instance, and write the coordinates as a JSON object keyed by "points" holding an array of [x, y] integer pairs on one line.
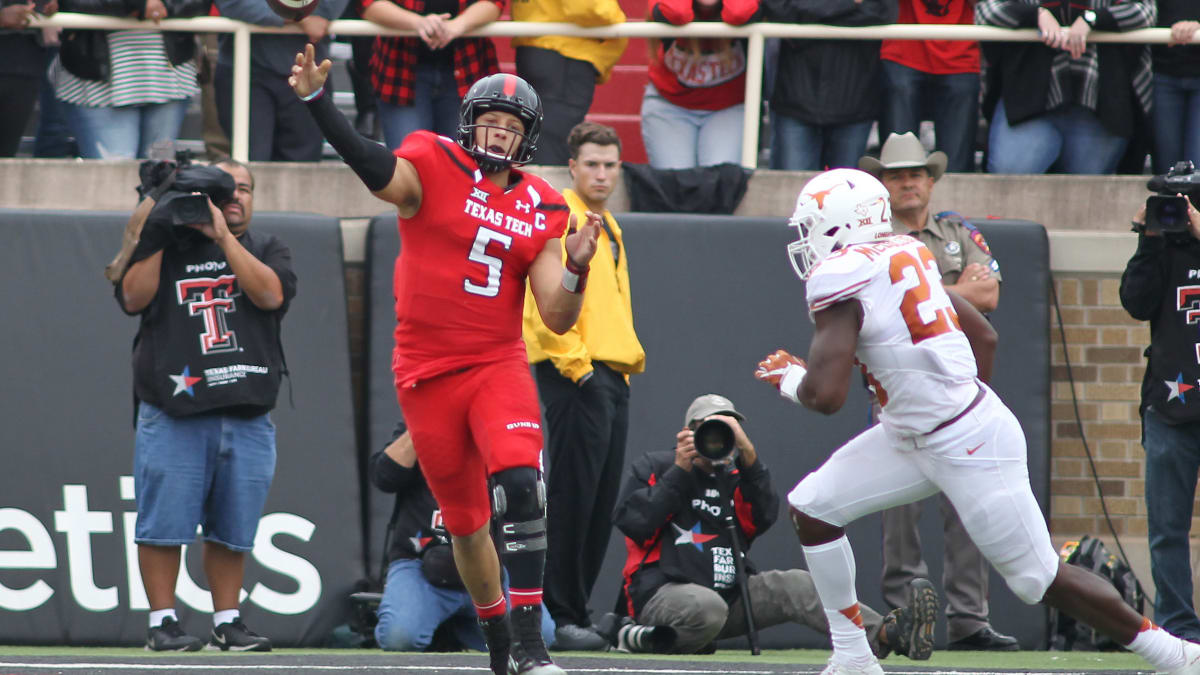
{"points": [[1172, 381], [202, 346]]}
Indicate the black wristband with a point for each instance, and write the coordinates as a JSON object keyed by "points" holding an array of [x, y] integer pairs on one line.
{"points": [[373, 163]]}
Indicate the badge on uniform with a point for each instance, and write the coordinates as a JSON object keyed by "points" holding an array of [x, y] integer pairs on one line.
{"points": [[977, 237], [952, 248]]}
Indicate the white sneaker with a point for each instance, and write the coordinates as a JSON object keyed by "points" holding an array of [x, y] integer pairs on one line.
{"points": [[1191, 661], [864, 667]]}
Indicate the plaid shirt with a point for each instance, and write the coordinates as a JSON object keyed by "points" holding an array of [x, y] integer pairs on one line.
{"points": [[1076, 80], [394, 59]]}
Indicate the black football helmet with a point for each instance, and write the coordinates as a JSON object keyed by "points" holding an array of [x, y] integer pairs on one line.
{"points": [[506, 93]]}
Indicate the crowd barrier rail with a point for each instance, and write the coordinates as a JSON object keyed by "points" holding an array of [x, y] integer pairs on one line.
{"points": [[756, 35]]}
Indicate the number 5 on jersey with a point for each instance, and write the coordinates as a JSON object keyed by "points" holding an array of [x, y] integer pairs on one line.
{"points": [[493, 264]]}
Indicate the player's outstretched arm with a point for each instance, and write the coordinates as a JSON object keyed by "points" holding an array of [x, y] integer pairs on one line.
{"points": [[979, 332], [831, 357], [388, 177], [558, 289]]}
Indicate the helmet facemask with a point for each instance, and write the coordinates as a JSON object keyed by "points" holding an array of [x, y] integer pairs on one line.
{"points": [[503, 93]]}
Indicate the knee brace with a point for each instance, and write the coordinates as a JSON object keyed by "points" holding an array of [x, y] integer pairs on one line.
{"points": [[519, 501]]}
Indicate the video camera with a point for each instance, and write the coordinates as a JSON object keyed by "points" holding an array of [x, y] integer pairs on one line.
{"points": [[714, 441], [182, 190], [1166, 211]]}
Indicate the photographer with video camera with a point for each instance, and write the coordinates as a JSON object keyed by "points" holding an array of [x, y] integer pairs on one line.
{"points": [[1161, 284], [424, 606], [682, 585], [210, 295]]}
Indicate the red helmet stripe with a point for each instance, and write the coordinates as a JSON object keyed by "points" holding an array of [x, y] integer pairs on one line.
{"points": [[510, 85]]}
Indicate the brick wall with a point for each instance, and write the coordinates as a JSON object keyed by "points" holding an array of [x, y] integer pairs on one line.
{"points": [[1104, 347]]}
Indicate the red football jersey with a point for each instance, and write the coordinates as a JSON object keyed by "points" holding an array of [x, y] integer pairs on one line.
{"points": [[460, 278]]}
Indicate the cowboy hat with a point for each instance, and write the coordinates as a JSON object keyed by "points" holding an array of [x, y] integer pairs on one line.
{"points": [[904, 151]]}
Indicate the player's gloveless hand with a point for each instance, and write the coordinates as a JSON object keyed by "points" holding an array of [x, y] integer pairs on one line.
{"points": [[307, 76], [581, 241]]}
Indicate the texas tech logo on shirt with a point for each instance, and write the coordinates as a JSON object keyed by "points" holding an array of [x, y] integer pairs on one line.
{"points": [[211, 299]]}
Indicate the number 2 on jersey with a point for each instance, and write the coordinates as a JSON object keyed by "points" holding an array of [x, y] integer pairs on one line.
{"points": [[945, 319], [493, 264]]}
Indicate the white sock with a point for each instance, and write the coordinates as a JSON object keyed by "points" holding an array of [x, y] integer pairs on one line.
{"points": [[225, 616], [157, 616], [832, 568], [1163, 650]]}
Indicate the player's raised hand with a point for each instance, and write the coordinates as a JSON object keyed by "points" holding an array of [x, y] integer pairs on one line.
{"points": [[307, 76], [581, 241]]}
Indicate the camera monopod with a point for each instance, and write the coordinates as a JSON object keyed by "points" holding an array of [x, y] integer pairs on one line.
{"points": [[725, 481]]}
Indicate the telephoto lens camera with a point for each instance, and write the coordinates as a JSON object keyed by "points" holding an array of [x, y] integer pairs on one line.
{"points": [[714, 440], [1166, 211], [182, 190]]}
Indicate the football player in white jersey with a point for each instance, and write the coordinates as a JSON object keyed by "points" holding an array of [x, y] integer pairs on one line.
{"points": [[877, 302]]}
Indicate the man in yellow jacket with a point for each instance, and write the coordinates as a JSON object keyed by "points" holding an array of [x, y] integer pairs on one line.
{"points": [[565, 70], [583, 381]]}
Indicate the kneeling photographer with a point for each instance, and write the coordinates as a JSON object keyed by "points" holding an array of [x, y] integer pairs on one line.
{"points": [[424, 606], [685, 584], [1161, 284], [207, 364]]}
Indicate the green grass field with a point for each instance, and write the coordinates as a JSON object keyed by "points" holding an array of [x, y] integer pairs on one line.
{"points": [[985, 662]]}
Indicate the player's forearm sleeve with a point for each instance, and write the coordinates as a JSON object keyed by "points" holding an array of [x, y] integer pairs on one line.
{"points": [[373, 163]]}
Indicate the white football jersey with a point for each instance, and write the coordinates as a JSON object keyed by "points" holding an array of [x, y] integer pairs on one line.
{"points": [[911, 349]]}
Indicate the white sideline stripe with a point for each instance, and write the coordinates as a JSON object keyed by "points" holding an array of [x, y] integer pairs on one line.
{"points": [[426, 667]]}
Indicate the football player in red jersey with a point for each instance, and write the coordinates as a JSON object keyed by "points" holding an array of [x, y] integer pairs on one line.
{"points": [[472, 229]]}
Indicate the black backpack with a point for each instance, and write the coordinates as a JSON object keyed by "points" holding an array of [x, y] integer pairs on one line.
{"points": [[1067, 634]]}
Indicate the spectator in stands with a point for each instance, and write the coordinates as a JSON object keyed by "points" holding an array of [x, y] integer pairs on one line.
{"points": [[1177, 87], [565, 70], [53, 137], [126, 90], [826, 92], [280, 127], [680, 570], [420, 81], [583, 382], [934, 79], [1064, 103], [20, 71], [422, 593], [692, 109]]}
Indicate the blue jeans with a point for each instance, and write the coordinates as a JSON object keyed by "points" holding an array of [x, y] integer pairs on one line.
{"points": [[412, 609], [1176, 121], [682, 138], [1172, 463], [127, 131], [1072, 135], [797, 146], [208, 470], [434, 108], [952, 102]]}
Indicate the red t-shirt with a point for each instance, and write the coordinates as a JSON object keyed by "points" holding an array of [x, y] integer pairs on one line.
{"points": [[939, 57], [459, 280]]}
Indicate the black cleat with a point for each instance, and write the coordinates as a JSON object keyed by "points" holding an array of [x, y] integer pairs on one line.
{"points": [[985, 639], [498, 636], [909, 630], [169, 637], [235, 636], [529, 650]]}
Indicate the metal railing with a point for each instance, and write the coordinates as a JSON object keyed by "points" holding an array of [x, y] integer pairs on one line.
{"points": [[755, 34]]}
